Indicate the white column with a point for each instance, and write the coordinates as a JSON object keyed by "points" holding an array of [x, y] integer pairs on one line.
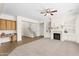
{"points": [[19, 23]]}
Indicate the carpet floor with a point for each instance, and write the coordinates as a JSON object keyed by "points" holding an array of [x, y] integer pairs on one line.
{"points": [[47, 47]]}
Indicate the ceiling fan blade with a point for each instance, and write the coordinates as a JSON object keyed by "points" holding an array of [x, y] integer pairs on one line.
{"points": [[54, 11], [42, 12], [52, 14]]}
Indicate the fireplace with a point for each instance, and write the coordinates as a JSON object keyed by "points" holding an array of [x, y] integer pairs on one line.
{"points": [[56, 36]]}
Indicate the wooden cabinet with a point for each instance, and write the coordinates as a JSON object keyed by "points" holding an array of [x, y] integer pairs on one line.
{"points": [[13, 38], [13, 23], [7, 24], [2, 24]]}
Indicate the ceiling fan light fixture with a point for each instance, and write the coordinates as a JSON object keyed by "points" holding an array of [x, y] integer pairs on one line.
{"points": [[45, 14], [48, 12]]}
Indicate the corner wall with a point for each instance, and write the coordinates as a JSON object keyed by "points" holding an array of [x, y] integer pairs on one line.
{"points": [[65, 16]]}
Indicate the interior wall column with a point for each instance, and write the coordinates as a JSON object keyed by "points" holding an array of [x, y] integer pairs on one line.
{"points": [[19, 23]]}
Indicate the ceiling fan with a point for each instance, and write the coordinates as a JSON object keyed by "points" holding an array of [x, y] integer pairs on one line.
{"points": [[48, 11]]}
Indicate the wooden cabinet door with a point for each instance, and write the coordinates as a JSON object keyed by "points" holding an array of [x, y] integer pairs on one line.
{"points": [[2, 24], [8, 22], [13, 23], [14, 38]]}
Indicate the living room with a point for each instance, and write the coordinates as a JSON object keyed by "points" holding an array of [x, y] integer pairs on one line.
{"points": [[52, 22]]}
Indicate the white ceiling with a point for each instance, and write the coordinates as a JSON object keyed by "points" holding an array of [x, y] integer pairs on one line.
{"points": [[1, 7], [32, 10]]}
